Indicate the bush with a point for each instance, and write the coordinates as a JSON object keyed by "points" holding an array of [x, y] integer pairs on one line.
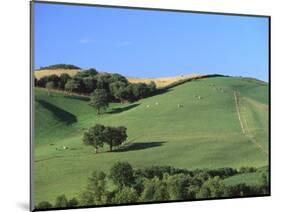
{"points": [[61, 202], [44, 205]]}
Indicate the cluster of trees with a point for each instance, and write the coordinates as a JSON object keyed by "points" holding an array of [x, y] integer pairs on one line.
{"points": [[103, 87], [60, 66], [99, 135], [157, 184]]}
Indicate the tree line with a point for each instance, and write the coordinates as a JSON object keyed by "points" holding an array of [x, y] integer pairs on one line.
{"points": [[158, 184], [102, 87], [60, 66]]}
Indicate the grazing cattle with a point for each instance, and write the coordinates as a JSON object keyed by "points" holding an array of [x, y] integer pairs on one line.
{"points": [[180, 105], [147, 106], [64, 147]]}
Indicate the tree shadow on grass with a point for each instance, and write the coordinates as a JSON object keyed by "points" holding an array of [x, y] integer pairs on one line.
{"points": [[139, 146], [122, 109], [82, 98], [60, 114]]}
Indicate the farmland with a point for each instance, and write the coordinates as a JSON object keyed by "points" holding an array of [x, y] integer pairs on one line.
{"points": [[205, 132]]}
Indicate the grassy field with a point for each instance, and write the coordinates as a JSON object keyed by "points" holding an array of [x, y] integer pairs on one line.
{"points": [[204, 133]]}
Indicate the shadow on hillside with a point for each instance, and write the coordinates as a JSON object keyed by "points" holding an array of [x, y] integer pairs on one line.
{"points": [[82, 98], [139, 146], [122, 109], [62, 115]]}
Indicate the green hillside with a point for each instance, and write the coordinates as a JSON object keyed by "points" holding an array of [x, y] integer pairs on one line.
{"points": [[204, 133]]}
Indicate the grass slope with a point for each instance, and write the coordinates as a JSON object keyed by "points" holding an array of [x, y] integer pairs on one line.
{"points": [[204, 133]]}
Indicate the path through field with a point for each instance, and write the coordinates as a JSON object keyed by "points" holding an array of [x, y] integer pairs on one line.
{"points": [[244, 126]]}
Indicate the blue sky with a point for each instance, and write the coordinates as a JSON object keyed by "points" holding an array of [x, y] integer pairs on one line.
{"points": [[146, 43]]}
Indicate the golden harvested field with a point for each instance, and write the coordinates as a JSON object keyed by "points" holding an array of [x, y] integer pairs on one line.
{"points": [[46, 72], [163, 81], [160, 82]]}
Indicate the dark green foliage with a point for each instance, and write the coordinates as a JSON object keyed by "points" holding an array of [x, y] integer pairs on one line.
{"points": [[42, 82], [132, 186], [86, 73], [212, 188], [240, 190], [63, 80], [115, 86], [90, 84], [61, 202], [115, 89], [155, 190], [177, 186], [86, 198], [73, 203], [247, 170], [264, 184], [125, 195], [95, 137], [152, 87], [71, 85], [44, 205], [60, 66], [115, 136], [55, 79], [98, 135], [119, 78], [99, 100], [222, 172], [97, 185], [122, 174]]}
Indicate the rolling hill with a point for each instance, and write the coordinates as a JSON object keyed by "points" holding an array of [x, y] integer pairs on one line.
{"points": [[223, 122]]}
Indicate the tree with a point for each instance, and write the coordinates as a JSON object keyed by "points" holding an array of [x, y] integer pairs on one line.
{"points": [[155, 190], [44, 205], [63, 80], [212, 188], [50, 85], [86, 198], [264, 183], [115, 87], [115, 136], [95, 137], [86, 73], [71, 85], [152, 87], [99, 100], [53, 78], [60, 66], [42, 82], [73, 203], [89, 84], [125, 195], [97, 185], [61, 202], [177, 186], [122, 174]]}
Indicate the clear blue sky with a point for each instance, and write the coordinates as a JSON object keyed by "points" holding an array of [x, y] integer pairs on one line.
{"points": [[146, 43]]}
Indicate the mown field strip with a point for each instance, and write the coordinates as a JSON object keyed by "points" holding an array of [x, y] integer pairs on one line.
{"points": [[238, 112], [246, 132]]}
